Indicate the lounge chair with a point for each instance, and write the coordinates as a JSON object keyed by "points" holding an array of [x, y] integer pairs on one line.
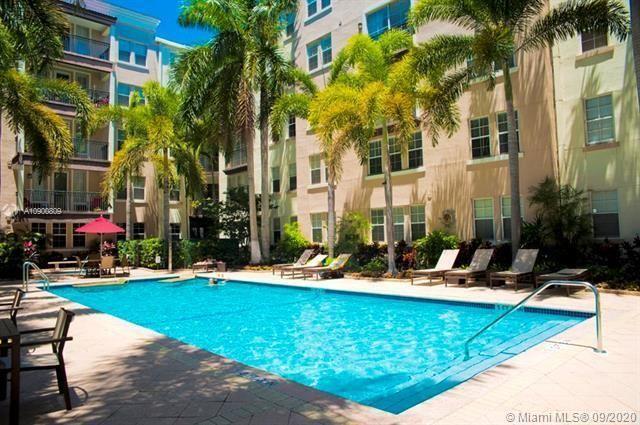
{"points": [[521, 269], [477, 269], [204, 264], [13, 307], [306, 255], [56, 338], [445, 264], [293, 270], [564, 274], [336, 265]]}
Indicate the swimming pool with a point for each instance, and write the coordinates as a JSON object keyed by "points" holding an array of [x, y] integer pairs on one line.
{"points": [[387, 352]]}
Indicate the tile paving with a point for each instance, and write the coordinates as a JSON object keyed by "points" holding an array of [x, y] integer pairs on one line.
{"points": [[123, 374]]}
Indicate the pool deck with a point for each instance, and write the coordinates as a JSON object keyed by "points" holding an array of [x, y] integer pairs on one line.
{"points": [[123, 374]]}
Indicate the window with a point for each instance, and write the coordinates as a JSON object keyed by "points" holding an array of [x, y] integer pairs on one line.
{"points": [[290, 24], [293, 177], [319, 53], [39, 228], [377, 225], [122, 236], [316, 228], [121, 194], [503, 132], [480, 138], [132, 52], [121, 136], [599, 119], [605, 214], [395, 154], [375, 157], [138, 188], [415, 151], [59, 237], [174, 228], [312, 6], [124, 51], [505, 208], [398, 223], [277, 230], [497, 67], [593, 40], [418, 226], [125, 91], [79, 239], [174, 194], [392, 15], [315, 164], [483, 218], [275, 179], [291, 128], [138, 231]]}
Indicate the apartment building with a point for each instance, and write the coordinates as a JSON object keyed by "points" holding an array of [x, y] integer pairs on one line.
{"points": [[462, 183], [112, 52], [599, 129]]}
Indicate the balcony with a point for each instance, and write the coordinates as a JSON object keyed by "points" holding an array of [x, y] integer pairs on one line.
{"points": [[90, 149], [86, 47], [99, 97], [67, 202]]}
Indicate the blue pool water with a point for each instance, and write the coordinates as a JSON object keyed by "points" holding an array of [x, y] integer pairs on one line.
{"points": [[386, 352]]}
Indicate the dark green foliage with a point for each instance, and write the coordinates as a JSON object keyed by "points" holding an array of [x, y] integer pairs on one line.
{"points": [[15, 248], [185, 253], [148, 250], [292, 244], [405, 257], [375, 268], [130, 250], [353, 231], [429, 248]]}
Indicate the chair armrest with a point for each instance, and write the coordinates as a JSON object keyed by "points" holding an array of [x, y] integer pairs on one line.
{"points": [[6, 303], [45, 341], [3, 309], [32, 331]]}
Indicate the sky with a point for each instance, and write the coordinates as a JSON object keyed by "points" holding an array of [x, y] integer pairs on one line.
{"points": [[167, 11]]}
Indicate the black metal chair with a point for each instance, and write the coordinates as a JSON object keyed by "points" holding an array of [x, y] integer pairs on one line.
{"points": [[57, 337], [13, 307]]}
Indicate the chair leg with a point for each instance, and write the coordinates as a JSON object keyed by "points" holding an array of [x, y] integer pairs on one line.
{"points": [[63, 385]]}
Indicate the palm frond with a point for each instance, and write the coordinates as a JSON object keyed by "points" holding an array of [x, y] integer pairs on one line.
{"points": [[213, 15], [296, 104], [467, 14], [72, 94], [577, 16]]}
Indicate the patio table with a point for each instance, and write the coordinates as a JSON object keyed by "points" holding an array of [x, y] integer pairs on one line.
{"points": [[10, 340], [57, 264]]}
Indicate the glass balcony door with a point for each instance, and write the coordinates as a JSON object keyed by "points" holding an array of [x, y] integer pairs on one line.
{"points": [[60, 191]]}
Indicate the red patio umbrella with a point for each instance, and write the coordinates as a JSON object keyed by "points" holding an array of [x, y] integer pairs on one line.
{"points": [[100, 226]]}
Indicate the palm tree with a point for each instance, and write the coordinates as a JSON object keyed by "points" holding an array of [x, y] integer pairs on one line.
{"points": [[31, 38], [370, 88], [501, 30], [220, 79], [635, 40], [154, 134]]}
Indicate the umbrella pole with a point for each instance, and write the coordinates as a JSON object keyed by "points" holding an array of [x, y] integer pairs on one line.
{"points": [[100, 266]]}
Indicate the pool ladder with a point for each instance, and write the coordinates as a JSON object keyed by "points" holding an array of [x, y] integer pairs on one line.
{"points": [[25, 275], [596, 295]]}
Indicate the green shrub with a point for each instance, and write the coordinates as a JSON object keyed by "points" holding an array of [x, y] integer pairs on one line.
{"points": [[130, 249], [227, 250], [429, 248], [375, 268], [353, 231], [149, 249], [185, 253], [292, 244]]}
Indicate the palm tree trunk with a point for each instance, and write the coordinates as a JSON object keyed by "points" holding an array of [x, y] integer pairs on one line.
{"points": [[635, 41], [331, 215], [514, 165], [254, 243], [388, 198], [264, 172], [165, 208], [128, 207]]}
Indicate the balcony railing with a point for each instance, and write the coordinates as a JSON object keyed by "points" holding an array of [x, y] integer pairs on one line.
{"points": [[90, 149], [99, 97], [65, 201], [86, 46]]}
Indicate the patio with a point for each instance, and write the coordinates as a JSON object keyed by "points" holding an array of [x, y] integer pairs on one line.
{"points": [[121, 373]]}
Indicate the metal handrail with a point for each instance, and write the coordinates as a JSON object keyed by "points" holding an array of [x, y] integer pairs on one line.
{"points": [[596, 294], [25, 275]]}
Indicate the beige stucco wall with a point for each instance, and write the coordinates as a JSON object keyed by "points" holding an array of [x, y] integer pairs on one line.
{"points": [[610, 166], [448, 179]]}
